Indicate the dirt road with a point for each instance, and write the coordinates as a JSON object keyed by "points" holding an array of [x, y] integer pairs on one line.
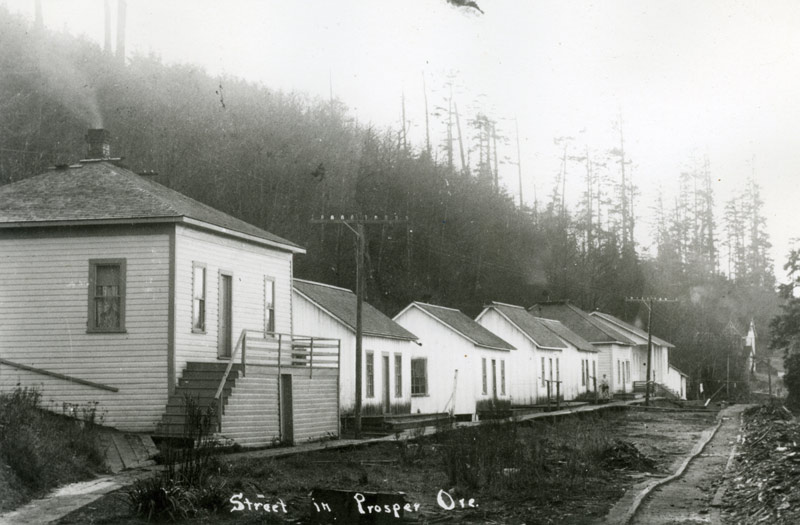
{"points": [[688, 498]]}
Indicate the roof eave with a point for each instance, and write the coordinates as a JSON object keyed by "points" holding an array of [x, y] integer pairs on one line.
{"points": [[347, 325], [246, 236], [451, 327]]}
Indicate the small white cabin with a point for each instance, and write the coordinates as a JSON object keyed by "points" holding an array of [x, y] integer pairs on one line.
{"points": [[117, 290], [614, 349], [541, 355], [459, 365], [386, 346], [677, 381], [660, 361]]}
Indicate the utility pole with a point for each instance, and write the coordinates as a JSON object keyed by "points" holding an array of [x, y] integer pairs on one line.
{"points": [[358, 221], [648, 302]]}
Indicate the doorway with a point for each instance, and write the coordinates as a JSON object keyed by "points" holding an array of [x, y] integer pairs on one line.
{"points": [[287, 415], [225, 336], [387, 400]]}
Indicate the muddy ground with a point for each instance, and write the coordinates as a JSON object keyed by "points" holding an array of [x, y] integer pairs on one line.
{"points": [[564, 490]]}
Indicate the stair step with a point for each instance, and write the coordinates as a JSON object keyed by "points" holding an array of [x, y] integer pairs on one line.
{"points": [[209, 374], [221, 367], [203, 383]]}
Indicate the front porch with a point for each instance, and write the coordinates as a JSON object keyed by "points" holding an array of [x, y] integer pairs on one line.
{"points": [[274, 389]]}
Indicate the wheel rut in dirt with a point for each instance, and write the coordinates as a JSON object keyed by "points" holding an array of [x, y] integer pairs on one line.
{"points": [[687, 499]]}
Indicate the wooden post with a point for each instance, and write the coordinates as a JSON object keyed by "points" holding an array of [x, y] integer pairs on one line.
{"points": [[594, 381], [311, 359], [548, 394], [359, 325], [649, 351], [558, 394], [244, 350]]}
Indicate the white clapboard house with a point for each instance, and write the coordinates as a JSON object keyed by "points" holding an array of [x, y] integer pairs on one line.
{"points": [[459, 363], [386, 346], [659, 371], [545, 352], [614, 349], [117, 290]]}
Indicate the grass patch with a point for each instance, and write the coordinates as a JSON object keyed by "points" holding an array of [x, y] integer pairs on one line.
{"points": [[185, 488], [548, 457], [41, 450]]}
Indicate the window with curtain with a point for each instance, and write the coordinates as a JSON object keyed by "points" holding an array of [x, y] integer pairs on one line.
{"points": [[106, 295], [269, 304], [198, 297]]}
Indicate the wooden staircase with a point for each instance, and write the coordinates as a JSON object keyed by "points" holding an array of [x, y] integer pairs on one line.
{"points": [[656, 389], [198, 382]]}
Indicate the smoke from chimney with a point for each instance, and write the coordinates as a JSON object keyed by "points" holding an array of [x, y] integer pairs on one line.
{"points": [[99, 144]]}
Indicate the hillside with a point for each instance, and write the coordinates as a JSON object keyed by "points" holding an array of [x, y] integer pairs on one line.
{"points": [[276, 159]]}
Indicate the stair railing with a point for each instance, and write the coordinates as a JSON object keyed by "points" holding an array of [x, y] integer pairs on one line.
{"points": [[241, 343]]}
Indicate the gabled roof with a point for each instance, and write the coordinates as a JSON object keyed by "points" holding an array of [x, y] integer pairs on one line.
{"points": [[568, 335], [340, 303], [531, 327], [678, 370], [104, 193], [622, 325], [580, 322], [459, 322]]}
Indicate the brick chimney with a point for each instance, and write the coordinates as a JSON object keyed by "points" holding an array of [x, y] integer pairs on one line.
{"points": [[99, 144]]}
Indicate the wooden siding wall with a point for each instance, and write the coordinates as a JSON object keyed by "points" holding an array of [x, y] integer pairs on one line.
{"points": [[252, 415], [249, 264], [310, 320], [522, 368], [44, 313], [446, 352]]}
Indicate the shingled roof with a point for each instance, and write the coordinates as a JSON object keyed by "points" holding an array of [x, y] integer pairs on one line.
{"points": [[533, 328], [340, 303], [622, 325], [568, 335], [104, 193], [592, 330], [461, 323]]}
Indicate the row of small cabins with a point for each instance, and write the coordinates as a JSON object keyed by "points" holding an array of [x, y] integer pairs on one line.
{"points": [[117, 290]]}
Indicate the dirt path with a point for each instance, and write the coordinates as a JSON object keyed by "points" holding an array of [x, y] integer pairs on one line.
{"points": [[688, 498]]}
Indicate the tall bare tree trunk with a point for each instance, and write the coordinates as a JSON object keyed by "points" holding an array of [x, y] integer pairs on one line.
{"points": [[107, 13], [122, 6]]}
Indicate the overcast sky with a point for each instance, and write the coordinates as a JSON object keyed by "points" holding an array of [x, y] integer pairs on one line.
{"points": [[690, 78]]}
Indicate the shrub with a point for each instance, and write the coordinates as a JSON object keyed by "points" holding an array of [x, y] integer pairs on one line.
{"points": [[45, 449], [505, 457], [185, 487]]}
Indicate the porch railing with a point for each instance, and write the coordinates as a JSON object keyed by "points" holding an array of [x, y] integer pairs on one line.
{"points": [[280, 351]]}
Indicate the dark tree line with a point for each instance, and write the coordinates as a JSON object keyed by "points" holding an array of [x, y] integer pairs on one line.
{"points": [[276, 159]]}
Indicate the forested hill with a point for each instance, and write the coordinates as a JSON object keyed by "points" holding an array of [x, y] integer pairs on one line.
{"points": [[276, 159]]}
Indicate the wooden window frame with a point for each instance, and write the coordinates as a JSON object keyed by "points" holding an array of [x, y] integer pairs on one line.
{"points": [[369, 369], [485, 383], [91, 320], [269, 306], [195, 266], [583, 372], [424, 377], [544, 378], [398, 375], [502, 377]]}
